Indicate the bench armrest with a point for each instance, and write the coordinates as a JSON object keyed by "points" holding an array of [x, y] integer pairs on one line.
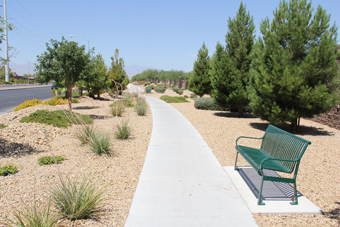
{"points": [[246, 137]]}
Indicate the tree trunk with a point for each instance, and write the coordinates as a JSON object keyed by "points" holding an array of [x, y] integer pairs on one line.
{"points": [[294, 125], [240, 111], [98, 96], [67, 90], [81, 92]]}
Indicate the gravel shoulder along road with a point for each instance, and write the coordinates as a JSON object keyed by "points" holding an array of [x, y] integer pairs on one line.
{"points": [[23, 143]]}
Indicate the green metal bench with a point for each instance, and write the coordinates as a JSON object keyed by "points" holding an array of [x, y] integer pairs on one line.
{"points": [[280, 151]]}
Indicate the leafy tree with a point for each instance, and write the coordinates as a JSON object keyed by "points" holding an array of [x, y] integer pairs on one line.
{"points": [[98, 75], [294, 70], [199, 82], [117, 72], [63, 62], [230, 71]]}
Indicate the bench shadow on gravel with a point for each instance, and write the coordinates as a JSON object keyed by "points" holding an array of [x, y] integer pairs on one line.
{"points": [[303, 130], [86, 107], [13, 149], [234, 115]]}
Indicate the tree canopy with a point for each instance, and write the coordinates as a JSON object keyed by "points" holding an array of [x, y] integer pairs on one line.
{"points": [[63, 62], [294, 71]]}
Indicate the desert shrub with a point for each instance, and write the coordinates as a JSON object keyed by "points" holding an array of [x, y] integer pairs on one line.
{"points": [[8, 169], [57, 118], [123, 130], [117, 108], [127, 100], [175, 99], [160, 89], [48, 160], [75, 100], [35, 216], [206, 104], [141, 107], [3, 126], [193, 96], [85, 133], [147, 83], [55, 101], [28, 103], [135, 94], [180, 91], [185, 96], [76, 200], [175, 89], [100, 142]]}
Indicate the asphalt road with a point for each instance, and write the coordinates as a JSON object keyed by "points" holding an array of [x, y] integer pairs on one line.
{"points": [[12, 98]]}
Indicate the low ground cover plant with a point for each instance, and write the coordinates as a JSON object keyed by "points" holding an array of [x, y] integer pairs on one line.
{"points": [[3, 126], [57, 118], [123, 130], [76, 200], [48, 160], [193, 96], [206, 104], [173, 99], [8, 169], [28, 103]]}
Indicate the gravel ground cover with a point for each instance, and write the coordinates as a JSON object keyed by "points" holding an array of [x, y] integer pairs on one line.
{"points": [[319, 173], [23, 143]]}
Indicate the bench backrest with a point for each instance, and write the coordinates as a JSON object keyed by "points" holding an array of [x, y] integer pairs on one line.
{"points": [[281, 144]]}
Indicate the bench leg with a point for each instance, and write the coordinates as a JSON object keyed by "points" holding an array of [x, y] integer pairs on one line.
{"points": [[295, 198], [236, 161], [259, 201]]}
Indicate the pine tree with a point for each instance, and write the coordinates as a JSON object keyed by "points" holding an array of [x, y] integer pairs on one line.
{"points": [[294, 70], [230, 84], [200, 83]]}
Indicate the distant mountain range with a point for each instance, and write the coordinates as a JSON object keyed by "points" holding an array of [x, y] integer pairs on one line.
{"points": [[29, 67], [21, 69]]}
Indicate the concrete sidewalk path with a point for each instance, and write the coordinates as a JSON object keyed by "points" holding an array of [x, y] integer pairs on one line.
{"points": [[182, 183]]}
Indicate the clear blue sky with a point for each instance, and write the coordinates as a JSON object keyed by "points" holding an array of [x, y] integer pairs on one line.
{"points": [[149, 34]]}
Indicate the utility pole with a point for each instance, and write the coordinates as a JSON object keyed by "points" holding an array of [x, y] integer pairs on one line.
{"points": [[6, 44]]}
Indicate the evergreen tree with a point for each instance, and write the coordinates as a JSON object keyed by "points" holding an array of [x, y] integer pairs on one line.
{"points": [[199, 82], [97, 76], [294, 70], [230, 70]]}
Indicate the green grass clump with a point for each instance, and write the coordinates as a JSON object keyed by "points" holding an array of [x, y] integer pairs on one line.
{"points": [[85, 133], [123, 130], [100, 142], [76, 200], [127, 100], [57, 118], [117, 108], [3, 126], [206, 104], [48, 160], [141, 106], [35, 216], [8, 169], [175, 99]]}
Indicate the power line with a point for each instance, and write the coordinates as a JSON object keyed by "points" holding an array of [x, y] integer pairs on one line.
{"points": [[36, 19]]}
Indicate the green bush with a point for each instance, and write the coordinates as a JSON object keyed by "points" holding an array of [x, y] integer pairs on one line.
{"points": [[206, 104], [57, 118], [175, 89], [117, 108], [185, 96], [180, 91], [160, 89], [35, 216], [3, 126], [8, 169], [175, 99], [193, 96], [48, 160], [78, 200], [147, 83], [100, 142]]}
